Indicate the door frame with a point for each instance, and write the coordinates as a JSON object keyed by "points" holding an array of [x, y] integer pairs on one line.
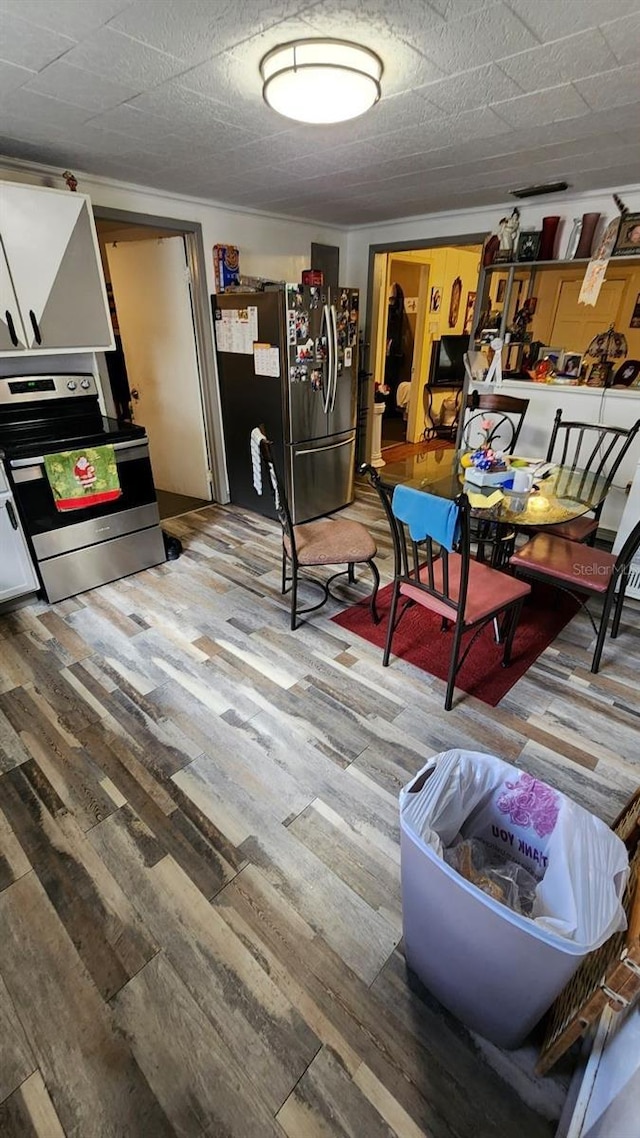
{"points": [[372, 323], [203, 334]]}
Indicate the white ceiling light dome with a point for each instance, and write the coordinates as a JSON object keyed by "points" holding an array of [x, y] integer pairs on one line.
{"points": [[321, 80]]}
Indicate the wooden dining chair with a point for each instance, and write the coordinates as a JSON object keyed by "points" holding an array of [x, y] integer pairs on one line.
{"points": [[506, 428], [446, 580], [327, 541], [598, 451], [581, 571]]}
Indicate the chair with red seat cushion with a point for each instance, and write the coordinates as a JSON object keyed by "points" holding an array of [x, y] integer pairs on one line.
{"points": [[596, 449], [326, 541], [465, 593], [583, 570]]}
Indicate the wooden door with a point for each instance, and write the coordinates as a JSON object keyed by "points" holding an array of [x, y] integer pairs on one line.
{"points": [[575, 325], [52, 253], [153, 300]]}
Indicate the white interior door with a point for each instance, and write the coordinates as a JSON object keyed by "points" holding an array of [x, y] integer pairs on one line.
{"points": [[153, 301]]}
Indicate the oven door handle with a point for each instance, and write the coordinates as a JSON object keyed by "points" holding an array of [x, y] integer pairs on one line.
{"points": [[17, 463]]}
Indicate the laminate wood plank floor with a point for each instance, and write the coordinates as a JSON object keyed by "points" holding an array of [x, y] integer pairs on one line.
{"points": [[200, 913]]}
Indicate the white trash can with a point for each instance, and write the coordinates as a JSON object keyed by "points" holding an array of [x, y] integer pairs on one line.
{"points": [[496, 970]]}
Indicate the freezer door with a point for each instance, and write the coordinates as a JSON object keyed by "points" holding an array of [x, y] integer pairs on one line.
{"points": [[344, 307], [321, 476], [310, 369]]}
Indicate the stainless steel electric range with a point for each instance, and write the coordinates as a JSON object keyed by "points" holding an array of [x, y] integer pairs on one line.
{"points": [[94, 543]]}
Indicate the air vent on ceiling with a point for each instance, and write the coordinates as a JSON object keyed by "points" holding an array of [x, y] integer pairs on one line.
{"points": [[537, 191]]}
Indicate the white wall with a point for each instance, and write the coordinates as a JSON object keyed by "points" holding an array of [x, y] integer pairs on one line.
{"points": [[481, 220], [269, 246]]}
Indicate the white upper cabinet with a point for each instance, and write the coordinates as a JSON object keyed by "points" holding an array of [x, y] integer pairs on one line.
{"points": [[54, 273], [12, 334]]}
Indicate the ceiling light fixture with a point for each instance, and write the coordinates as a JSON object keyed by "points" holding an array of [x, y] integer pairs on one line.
{"points": [[321, 80]]}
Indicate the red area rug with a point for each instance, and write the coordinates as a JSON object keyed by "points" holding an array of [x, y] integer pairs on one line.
{"points": [[418, 638]]}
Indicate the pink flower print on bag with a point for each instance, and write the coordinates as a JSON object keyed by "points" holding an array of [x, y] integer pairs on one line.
{"points": [[530, 803]]}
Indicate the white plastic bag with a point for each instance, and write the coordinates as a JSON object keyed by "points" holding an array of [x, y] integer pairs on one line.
{"points": [[581, 865]]}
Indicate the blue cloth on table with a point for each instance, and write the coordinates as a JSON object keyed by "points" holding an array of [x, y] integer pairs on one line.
{"points": [[427, 515]]}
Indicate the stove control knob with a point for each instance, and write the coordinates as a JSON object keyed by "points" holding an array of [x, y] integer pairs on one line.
{"points": [[72, 385], [85, 384]]}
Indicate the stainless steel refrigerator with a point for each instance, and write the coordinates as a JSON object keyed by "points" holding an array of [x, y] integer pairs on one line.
{"points": [[287, 361]]}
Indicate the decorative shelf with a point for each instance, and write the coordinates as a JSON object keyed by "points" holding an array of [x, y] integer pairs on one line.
{"points": [[504, 266]]}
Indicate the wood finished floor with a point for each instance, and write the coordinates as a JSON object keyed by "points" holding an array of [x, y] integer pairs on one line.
{"points": [[199, 888]]}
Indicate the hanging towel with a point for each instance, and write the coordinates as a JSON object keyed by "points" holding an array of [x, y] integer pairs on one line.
{"points": [[427, 515], [82, 478], [256, 459], [257, 436]]}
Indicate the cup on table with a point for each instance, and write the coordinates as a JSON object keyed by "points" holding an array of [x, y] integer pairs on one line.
{"points": [[522, 481]]}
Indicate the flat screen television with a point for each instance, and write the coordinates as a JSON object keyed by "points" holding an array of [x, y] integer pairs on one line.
{"points": [[447, 360]]}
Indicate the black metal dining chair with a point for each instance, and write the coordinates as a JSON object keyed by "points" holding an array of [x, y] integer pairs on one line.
{"points": [[506, 428], [597, 451], [326, 541], [582, 572], [450, 583], [494, 542]]}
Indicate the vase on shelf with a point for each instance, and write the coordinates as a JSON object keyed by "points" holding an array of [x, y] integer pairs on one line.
{"points": [[548, 238], [574, 238], [587, 233]]}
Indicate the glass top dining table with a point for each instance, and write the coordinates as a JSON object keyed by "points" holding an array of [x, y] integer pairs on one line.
{"points": [[567, 492]]}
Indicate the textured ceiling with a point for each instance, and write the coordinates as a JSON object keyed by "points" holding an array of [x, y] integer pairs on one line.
{"points": [[479, 96]]}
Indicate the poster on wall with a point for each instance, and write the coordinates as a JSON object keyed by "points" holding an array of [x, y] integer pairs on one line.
{"points": [[468, 313], [597, 267], [436, 298], [635, 315], [454, 304]]}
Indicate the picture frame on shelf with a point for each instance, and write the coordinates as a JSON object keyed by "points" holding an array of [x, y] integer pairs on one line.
{"points": [[554, 354], [628, 374], [570, 363], [599, 374], [528, 245], [628, 239]]}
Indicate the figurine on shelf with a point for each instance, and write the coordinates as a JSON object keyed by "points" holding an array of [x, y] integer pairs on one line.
{"points": [[507, 235], [71, 180]]}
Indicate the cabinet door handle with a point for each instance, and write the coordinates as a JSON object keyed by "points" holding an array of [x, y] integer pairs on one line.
{"points": [[34, 325], [12, 515], [12, 328]]}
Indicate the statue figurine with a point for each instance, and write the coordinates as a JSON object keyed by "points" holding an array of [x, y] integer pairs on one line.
{"points": [[507, 234], [71, 180]]}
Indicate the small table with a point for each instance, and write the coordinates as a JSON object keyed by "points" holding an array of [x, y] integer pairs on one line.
{"points": [[566, 493]]}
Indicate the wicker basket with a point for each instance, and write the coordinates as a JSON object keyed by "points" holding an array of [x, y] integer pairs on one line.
{"points": [[610, 976]]}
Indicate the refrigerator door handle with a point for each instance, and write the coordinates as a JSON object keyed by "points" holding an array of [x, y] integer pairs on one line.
{"points": [[334, 335], [326, 323], [332, 446]]}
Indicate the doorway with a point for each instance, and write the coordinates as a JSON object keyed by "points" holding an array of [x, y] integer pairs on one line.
{"points": [[160, 373], [417, 294]]}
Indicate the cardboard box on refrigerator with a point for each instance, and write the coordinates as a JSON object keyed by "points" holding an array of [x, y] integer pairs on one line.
{"points": [[226, 266]]}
